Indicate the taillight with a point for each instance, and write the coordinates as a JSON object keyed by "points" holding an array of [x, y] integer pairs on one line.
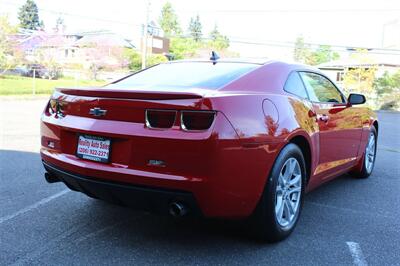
{"points": [[56, 107], [161, 119], [52, 106], [197, 120]]}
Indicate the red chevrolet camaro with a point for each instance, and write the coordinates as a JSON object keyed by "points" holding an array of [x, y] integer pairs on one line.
{"points": [[218, 138]]}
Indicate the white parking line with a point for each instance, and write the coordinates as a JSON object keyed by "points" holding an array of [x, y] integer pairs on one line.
{"points": [[357, 254], [33, 206]]}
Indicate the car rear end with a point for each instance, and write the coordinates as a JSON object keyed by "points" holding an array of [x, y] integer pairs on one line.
{"points": [[162, 149]]}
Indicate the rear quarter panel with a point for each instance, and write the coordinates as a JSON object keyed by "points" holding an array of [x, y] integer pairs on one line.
{"points": [[265, 123]]}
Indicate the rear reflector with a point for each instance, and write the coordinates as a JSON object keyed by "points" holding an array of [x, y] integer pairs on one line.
{"points": [[161, 119], [197, 120]]}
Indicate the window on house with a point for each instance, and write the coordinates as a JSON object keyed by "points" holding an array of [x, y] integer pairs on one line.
{"points": [[339, 76]]}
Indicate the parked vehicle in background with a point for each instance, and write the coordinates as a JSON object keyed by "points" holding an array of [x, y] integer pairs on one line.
{"points": [[40, 71], [53, 73], [34, 70], [17, 71], [228, 139]]}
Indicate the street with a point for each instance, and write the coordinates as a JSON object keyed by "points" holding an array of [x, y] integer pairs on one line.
{"points": [[345, 222]]}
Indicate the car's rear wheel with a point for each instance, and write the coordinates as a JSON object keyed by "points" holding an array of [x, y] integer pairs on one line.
{"points": [[369, 156], [279, 208]]}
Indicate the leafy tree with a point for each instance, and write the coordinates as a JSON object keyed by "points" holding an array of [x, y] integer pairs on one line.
{"points": [[155, 59], [169, 20], [387, 83], [188, 47], [304, 54], [135, 59], [195, 28], [217, 40], [323, 54], [301, 50], [388, 89], [9, 54], [28, 16], [361, 77], [183, 47]]}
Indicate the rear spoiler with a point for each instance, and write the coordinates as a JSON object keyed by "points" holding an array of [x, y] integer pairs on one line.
{"points": [[131, 94]]}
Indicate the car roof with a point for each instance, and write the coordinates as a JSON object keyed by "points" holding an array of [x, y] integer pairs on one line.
{"points": [[257, 61]]}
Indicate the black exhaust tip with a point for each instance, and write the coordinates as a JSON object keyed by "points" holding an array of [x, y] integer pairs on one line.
{"points": [[51, 178]]}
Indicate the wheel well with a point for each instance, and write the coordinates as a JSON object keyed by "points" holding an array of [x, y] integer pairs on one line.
{"points": [[305, 149], [375, 124]]}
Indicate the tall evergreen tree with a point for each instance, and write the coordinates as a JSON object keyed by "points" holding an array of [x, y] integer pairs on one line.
{"points": [[214, 34], [169, 20], [301, 50], [28, 16], [218, 40], [60, 25], [195, 28]]}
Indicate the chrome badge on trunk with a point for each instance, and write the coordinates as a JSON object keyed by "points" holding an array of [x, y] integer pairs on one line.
{"points": [[97, 111]]}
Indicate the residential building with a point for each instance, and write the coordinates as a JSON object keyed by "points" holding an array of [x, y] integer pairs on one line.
{"points": [[381, 61]]}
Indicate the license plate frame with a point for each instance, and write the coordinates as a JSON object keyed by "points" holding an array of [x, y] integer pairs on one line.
{"points": [[94, 151]]}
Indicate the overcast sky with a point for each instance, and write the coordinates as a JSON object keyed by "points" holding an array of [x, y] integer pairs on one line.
{"points": [[336, 22]]}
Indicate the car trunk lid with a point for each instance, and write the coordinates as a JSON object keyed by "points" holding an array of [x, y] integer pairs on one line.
{"points": [[126, 105], [140, 94]]}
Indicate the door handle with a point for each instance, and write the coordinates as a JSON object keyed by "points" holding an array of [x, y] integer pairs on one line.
{"points": [[323, 118]]}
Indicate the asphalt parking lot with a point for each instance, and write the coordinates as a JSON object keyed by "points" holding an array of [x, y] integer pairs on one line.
{"points": [[345, 222]]}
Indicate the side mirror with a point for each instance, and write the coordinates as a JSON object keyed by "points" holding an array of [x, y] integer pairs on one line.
{"points": [[355, 98]]}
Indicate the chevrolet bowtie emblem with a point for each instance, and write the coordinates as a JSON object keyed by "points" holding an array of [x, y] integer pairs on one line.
{"points": [[97, 111]]}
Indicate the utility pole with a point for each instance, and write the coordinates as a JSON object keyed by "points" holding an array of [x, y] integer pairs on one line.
{"points": [[145, 32]]}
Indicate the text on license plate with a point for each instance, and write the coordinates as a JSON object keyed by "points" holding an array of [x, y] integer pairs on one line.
{"points": [[93, 148]]}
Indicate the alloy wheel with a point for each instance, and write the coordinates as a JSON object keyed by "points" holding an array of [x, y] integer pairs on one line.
{"points": [[288, 193], [370, 152]]}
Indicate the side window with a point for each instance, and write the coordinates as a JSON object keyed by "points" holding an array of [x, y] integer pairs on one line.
{"points": [[295, 86], [320, 89]]}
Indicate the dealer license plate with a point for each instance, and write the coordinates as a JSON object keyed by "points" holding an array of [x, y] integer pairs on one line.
{"points": [[93, 148]]}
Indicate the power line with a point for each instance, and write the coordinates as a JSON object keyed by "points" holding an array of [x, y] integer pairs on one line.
{"points": [[381, 10], [81, 16], [333, 48], [240, 40], [378, 10], [315, 45]]}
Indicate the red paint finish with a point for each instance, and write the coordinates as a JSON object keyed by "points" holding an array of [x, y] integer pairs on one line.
{"points": [[226, 166]]}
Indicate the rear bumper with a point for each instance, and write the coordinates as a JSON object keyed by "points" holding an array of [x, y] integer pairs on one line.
{"points": [[225, 178], [156, 200]]}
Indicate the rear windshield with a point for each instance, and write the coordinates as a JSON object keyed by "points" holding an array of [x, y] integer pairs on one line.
{"points": [[188, 74]]}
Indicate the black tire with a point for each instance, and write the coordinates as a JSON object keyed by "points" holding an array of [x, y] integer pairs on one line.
{"points": [[264, 221], [365, 172]]}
